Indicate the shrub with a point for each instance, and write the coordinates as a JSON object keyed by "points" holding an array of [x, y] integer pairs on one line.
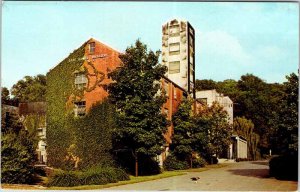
{"points": [[284, 167], [122, 175], [199, 162], [93, 176], [171, 163], [65, 179], [17, 158]]}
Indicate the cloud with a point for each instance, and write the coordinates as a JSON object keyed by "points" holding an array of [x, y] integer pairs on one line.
{"points": [[270, 53], [220, 55], [221, 44]]}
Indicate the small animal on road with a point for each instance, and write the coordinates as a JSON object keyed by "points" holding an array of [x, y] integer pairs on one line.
{"points": [[195, 179]]}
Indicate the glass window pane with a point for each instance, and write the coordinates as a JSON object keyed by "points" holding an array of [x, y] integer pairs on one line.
{"points": [[174, 67]]}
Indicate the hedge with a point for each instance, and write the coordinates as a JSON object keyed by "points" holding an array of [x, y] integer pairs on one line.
{"points": [[171, 163], [284, 167], [92, 176]]}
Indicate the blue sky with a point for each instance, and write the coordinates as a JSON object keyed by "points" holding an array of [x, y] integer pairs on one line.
{"points": [[232, 39]]}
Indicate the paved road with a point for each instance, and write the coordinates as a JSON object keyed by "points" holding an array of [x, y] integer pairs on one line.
{"points": [[242, 176]]}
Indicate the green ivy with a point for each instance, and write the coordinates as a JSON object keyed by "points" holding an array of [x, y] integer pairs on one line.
{"points": [[76, 142], [60, 86]]}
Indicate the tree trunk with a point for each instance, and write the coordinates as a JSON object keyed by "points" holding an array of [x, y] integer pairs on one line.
{"points": [[136, 165]]}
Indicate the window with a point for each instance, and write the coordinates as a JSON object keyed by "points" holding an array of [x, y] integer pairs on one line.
{"points": [[80, 80], [174, 94], [174, 30], [92, 47], [79, 108], [174, 67], [174, 48]]}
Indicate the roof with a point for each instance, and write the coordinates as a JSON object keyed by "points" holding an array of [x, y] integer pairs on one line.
{"points": [[32, 108], [109, 47], [240, 137]]}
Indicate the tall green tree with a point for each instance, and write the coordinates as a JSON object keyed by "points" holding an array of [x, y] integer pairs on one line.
{"points": [[256, 102], [205, 84], [287, 132], [17, 151], [212, 132], [134, 91], [182, 146], [30, 89]]}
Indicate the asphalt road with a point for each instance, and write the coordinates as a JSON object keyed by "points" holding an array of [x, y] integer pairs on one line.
{"points": [[242, 176]]}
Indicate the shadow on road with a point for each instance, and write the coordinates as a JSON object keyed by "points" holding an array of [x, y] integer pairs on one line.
{"points": [[261, 163], [259, 173]]}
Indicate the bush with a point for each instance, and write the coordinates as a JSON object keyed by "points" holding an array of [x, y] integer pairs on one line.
{"points": [[64, 179], [199, 162], [17, 158], [284, 167], [92, 176], [171, 163]]}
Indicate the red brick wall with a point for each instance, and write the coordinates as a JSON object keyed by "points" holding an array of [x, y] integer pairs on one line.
{"points": [[104, 59], [172, 104]]}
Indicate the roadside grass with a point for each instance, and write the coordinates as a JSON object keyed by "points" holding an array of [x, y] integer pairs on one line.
{"points": [[207, 167], [132, 180]]}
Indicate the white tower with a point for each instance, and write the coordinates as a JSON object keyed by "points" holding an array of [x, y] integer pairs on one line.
{"points": [[178, 53]]}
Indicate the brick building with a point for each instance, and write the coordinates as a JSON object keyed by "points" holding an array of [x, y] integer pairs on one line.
{"points": [[99, 59]]}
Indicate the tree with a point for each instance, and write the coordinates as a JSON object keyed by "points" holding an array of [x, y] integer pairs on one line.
{"points": [[256, 101], [244, 127], [212, 132], [10, 122], [30, 89], [205, 84], [228, 87], [4, 95], [17, 152], [134, 92], [287, 132], [184, 125]]}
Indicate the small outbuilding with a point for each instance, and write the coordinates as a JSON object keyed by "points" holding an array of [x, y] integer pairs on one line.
{"points": [[238, 148]]}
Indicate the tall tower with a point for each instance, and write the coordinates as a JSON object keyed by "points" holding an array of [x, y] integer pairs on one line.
{"points": [[178, 53]]}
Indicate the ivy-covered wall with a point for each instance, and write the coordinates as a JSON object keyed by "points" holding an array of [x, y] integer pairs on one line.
{"points": [[60, 85], [79, 142]]}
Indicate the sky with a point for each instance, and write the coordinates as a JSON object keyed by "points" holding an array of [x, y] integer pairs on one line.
{"points": [[232, 38]]}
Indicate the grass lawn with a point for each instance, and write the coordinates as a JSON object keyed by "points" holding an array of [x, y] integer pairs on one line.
{"points": [[131, 181]]}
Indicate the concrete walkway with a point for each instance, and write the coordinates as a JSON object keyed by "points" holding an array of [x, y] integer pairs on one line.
{"points": [[242, 176]]}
